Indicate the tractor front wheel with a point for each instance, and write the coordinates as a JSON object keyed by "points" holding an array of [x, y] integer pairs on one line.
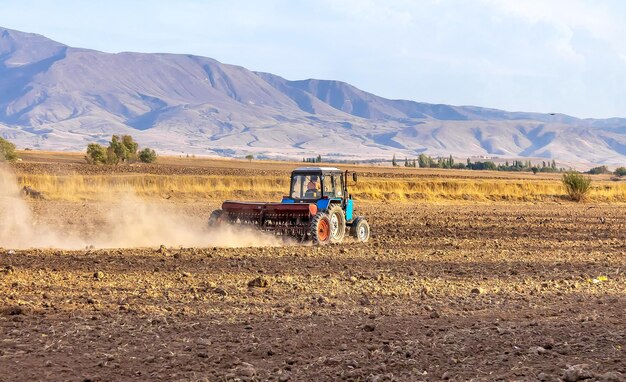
{"points": [[360, 229], [320, 229]]}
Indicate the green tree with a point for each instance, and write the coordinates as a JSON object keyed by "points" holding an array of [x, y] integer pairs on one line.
{"points": [[393, 161], [112, 157], [620, 171], [7, 150], [249, 157], [122, 149], [117, 151], [131, 148], [147, 155], [96, 154]]}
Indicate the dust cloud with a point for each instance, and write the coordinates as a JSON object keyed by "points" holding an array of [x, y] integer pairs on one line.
{"points": [[133, 222], [128, 222]]}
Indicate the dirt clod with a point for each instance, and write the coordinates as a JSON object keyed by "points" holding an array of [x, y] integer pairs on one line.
{"points": [[612, 376], [219, 291], [576, 373], [245, 370], [477, 291], [259, 282], [14, 310]]}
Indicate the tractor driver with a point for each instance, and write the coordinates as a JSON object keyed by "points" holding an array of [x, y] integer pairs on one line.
{"points": [[312, 186]]}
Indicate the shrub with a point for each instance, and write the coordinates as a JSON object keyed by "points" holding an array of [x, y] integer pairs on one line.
{"points": [[620, 171], [7, 150], [576, 185], [96, 154], [147, 155]]}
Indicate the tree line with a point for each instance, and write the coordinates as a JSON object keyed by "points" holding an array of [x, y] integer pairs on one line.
{"points": [[122, 149], [426, 161], [317, 159], [620, 171]]}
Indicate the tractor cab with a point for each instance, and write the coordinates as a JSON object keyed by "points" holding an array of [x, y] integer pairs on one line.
{"points": [[323, 186]]}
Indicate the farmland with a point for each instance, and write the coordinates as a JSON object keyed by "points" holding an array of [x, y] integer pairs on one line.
{"points": [[469, 275]]}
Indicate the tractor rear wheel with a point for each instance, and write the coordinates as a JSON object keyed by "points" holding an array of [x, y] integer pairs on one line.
{"points": [[337, 224], [320, 229], [360, 229]]}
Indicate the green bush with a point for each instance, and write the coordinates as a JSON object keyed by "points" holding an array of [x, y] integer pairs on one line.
{"points": [[96, 154], [7, 150], [620, 171], [147, 155], [576, 185]]}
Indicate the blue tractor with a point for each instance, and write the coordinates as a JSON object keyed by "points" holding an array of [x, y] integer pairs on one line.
{"points": [[318, 208]]}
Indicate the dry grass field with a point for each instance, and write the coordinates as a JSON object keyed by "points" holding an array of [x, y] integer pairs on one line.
{"points": [[65, 177], [469, 276]]}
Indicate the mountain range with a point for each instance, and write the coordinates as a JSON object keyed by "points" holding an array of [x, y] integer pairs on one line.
{"points": [[56, 97]]}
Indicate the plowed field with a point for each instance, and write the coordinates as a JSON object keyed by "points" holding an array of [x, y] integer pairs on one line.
{"points": [[459, 292]]}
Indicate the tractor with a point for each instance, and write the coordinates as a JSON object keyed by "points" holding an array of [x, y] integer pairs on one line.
{"points": [[318, 208]]}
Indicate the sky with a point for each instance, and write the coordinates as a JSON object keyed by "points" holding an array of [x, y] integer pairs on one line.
{"points": [[553, 56]]}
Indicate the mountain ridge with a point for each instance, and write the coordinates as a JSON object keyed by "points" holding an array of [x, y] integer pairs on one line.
{"points": [[53, 96]]}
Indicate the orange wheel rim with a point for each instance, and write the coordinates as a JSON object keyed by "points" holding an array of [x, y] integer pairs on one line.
{"points": [[323, 230]]}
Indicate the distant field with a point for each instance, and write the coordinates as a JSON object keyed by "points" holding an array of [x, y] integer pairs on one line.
{"points": [[65, 176]]}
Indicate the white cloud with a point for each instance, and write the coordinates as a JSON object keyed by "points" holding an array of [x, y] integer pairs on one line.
{"points": [[566, 16]]}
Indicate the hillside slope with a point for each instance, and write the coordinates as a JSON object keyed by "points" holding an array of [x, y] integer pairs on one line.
{"points": [[57, 97]]}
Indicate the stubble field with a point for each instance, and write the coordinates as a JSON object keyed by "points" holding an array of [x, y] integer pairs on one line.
{"points": [[446, 289]]}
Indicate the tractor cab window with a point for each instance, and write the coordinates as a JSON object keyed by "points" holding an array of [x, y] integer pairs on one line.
{"points": [[339, 185], [333, 185], [305, 187]]}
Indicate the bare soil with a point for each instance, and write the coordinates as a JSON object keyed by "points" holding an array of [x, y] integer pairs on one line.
{"points": [[460, 292]]}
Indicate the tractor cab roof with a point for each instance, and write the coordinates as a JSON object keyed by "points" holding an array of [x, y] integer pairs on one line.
{"points": [[316, 170]]}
